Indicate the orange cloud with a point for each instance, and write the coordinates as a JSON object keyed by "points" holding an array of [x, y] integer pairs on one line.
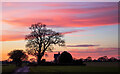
{"points": [[13, 34], [14, 37]]}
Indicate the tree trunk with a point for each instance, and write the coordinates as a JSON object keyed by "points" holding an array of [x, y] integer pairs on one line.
{"points": [[39, 57]]}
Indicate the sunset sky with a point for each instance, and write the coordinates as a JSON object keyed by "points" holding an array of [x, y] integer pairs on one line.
{"points": [[90, 28]]}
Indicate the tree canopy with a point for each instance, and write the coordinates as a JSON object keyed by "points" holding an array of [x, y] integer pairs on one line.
{"points": [[18, 56]]}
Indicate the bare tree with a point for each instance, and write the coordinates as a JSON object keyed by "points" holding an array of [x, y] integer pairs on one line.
{"points": [[41, 39]]}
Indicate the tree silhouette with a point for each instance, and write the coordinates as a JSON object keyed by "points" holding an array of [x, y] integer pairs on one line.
{"points": [[41, 39], [104, 58], [89, 59], [18, 56], [65, 58], [113, 59]]}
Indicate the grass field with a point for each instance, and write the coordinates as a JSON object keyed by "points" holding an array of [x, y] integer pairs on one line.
{"points": [[91, 67], [72, 69], [8, 68], [103, 64]]}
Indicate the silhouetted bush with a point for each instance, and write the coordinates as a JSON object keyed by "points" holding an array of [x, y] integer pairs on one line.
{"points": [[78, 62]]}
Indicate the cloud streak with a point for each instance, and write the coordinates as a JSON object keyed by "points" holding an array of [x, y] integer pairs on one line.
{"points": [[20, 35], [82, 45], [69, 32]]}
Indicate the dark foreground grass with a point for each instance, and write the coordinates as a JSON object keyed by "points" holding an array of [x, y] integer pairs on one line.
{"points": [[8, 68], [72, 69], [90, 67]]}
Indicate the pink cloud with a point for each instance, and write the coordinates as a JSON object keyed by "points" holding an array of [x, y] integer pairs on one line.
{"points": [[8, 4], [83, 10], [53, 4], [72, 31], [68, 21], [22, 4], [99, 15]]}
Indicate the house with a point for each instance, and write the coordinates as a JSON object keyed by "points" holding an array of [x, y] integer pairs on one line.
{"points": [[56, 57]]}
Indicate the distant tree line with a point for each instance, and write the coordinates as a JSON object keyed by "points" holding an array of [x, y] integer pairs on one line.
{"points": [[101, 59]]}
